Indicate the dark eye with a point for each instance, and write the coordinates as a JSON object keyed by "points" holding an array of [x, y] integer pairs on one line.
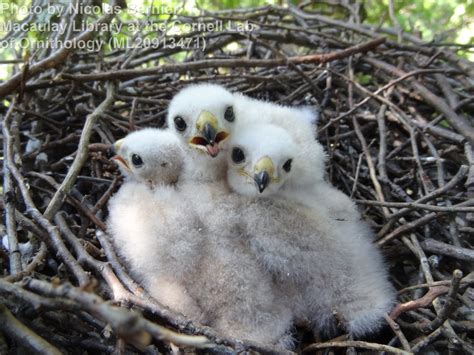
{"points": [[180, 123], [238, 155], [287, 165], [137, 160], [229, 114]]}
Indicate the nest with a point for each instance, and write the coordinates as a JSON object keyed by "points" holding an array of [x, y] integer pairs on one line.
{"points": [[394, 117]]}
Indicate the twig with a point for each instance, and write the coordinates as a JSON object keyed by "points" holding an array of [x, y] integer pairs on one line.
{"points": [[356, 344], [447, 309], [14, 255], [53, 233], [467, 280], [432, 195], [225, 63], [106, 196], [54, 59], [434, 246], [447, 328], [24, 335], [38, 303], [81, 156], [398, 332], [424, 301], [426, 340], [84, 258], [459, 123], [75, 202], [128, 324], [116, 265], [31, 267], [370, 163], [378, 92], [414, 205]]}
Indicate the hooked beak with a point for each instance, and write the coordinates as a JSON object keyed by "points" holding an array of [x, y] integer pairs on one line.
{"points": [[118, 158], [121, 161], [209, 135], [116, 146], [263, 173], [262, 179]]}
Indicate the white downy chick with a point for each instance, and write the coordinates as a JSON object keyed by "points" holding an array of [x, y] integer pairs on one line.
{"points": [[332, 266], [150, 156], [238, 298], [296, 121], [155, 231], [202, 116], [266, 166], [310, 158]]}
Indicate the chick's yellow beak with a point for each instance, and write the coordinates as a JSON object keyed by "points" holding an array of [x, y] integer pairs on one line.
{"points": [[120, 160], [117, 145], [206, 121], [263, 173], [209, 134]]}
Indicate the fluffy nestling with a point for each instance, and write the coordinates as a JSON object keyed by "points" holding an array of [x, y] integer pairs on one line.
{"points": [[310, 158], [158, 234], [332, 271], [238, 298], [150, 156], [202, 116]]}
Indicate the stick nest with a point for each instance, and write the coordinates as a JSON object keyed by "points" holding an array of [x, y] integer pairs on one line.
{"points": [[395, 116]]}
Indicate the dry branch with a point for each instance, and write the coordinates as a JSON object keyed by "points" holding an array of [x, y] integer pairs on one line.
{"points": [[9, 199], [356, 344], [54, 60], [434, 246], [25, 336], [225, 63], [81, 156]]}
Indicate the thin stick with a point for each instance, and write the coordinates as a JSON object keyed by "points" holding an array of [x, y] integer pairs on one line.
{"points": [[226, 63], [414, 205], [53, 233], [378, 92], [14, 255], [31, 267], [447, 308], [459, 253], [398, 332], [426, 340], [55, 59], [458, 122], [356, 344], [424, 301], [127, 324], [81, 155], [24, 335]]}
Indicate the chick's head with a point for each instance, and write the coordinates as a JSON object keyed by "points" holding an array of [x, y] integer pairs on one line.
{"points": [[260, 159], [152, 156], [203, 117]]}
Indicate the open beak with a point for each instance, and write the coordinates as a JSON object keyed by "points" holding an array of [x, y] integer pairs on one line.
{"points": [[209, 136], [117, 157], [121, 161], [209, 133], [117, 145], [263, 173]]}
